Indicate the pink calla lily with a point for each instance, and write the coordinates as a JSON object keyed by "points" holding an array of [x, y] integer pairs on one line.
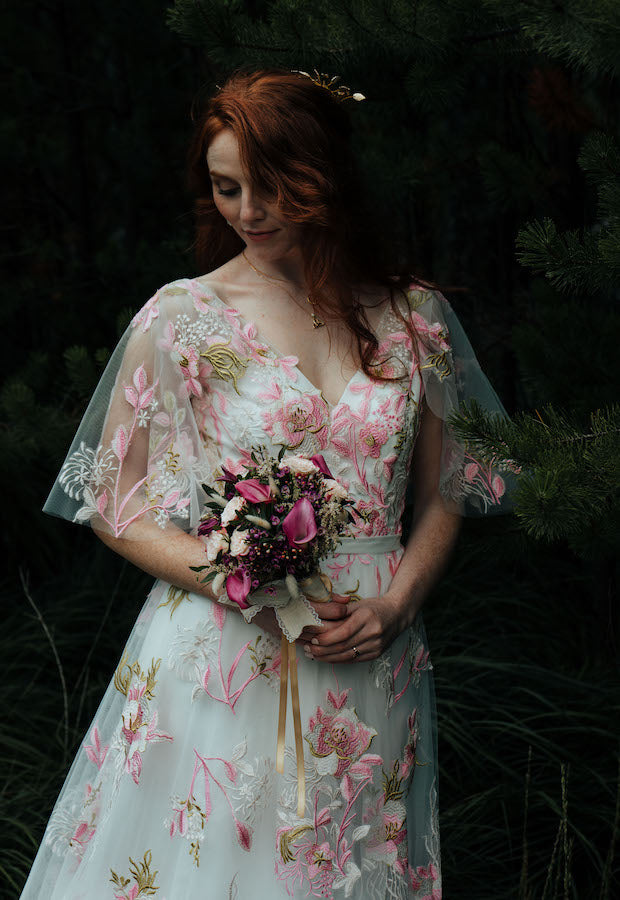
{"points": [[299, 525], [238, 587], [253, 491], [321, 465]]}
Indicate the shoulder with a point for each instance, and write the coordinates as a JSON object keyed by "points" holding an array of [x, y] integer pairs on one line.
{"points": [[173, 298]]}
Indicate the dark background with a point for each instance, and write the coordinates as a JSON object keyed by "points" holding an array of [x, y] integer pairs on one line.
{"points": [[475, 119]]}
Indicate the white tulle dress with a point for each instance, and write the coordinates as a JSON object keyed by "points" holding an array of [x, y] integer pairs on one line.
{"points": [[173, 793]]}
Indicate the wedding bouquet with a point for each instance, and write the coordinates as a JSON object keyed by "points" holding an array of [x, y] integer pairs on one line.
{"points": [[267, 531]]}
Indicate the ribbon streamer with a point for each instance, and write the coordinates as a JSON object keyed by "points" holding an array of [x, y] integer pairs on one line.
{"points": [[288, 664]]}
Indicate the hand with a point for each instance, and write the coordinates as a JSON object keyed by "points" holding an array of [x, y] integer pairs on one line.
{"points": [[371, 625]]}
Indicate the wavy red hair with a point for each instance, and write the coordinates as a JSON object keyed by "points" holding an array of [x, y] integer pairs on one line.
{"points": [[295, 139]]}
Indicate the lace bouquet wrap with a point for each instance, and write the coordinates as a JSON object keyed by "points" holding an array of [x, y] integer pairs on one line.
{"points": [[266, 534]]}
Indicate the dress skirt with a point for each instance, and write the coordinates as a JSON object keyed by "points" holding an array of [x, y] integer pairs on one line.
{"points": [[174, 792]]}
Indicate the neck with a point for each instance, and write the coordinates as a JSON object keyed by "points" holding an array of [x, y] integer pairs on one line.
{"points": [[288, 268]]}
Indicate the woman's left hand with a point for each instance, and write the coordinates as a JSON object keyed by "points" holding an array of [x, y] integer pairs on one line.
{"points": [[370, 627]]}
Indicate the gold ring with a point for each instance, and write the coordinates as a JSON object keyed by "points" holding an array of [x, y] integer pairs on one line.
{"points": [[356, 653]]}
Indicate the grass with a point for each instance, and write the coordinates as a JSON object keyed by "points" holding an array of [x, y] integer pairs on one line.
{"points": [[527, 711]]}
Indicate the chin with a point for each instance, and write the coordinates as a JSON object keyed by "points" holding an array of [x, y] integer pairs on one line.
{"points": [[271, 251]]}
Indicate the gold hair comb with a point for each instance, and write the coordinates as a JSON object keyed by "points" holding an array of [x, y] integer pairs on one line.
{"points": [[340, 92]]}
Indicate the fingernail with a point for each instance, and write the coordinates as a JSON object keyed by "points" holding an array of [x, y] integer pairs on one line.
{"points": [[314, 641], [307, 651]]}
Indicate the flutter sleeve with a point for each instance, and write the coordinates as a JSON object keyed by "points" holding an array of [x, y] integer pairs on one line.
{"points": [[138, 458], [451, 376]]}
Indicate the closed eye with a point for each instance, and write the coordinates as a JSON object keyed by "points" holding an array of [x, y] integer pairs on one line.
{"points": [[229, 192]]}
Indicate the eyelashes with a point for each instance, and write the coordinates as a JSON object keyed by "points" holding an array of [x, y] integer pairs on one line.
{"points": [[227, 193]]}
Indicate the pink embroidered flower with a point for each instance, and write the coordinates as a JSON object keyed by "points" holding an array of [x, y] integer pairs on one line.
{"points": [[82, 835], [295, 420], [319, 858], [470, 471], [499, 486], [409, 757], [190, 367], [387, 838], [337, 739], [372, 436], [96, 752], [137, 731], [147, 315]]}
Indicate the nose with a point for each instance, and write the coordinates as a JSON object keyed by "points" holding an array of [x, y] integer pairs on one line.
{"points": [[252, 208]]}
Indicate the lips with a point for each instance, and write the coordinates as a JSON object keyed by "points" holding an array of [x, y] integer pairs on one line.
{"points": [[261, 235]]}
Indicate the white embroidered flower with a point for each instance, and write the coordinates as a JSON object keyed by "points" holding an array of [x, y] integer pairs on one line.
{"points": [[215, 543], [87, 467], [162, 517], [143, 418], [89, 509], [254, 789], [190, 650], [232, 509], [299, 465], [239, 544], [334, 489]]}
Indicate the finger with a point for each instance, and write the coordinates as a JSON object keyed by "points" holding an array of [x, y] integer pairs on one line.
{"points": [[366, 652], [340, 598], [330, 610], [341, 633], [313, 631]]}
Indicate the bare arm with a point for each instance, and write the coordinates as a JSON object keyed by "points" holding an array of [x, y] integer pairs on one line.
{"points": [[373, 623], [167, 556]]}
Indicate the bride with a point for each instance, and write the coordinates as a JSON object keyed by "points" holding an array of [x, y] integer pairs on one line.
{"points": [[299, 337]]}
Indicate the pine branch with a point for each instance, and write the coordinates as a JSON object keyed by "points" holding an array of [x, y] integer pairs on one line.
{"points": [[569, 481]]}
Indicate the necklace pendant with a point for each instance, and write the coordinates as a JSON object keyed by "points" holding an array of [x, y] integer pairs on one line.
{"points": [[316, 321]]}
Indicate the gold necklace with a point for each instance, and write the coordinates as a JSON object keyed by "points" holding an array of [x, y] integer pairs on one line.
{"points": [[317, 323]]}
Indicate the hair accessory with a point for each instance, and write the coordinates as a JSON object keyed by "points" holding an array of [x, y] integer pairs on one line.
{"points": [[340, 92]]}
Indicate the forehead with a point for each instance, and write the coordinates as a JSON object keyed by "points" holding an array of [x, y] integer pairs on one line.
{"points": [[223, 153]]}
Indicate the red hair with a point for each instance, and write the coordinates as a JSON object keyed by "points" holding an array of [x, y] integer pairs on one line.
{"points": [[295, 139]]}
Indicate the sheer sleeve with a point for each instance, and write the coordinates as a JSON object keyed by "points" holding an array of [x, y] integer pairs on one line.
{"points": [[450, 376], [138, 457]]}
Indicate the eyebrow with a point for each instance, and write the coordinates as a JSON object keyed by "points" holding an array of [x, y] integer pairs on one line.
{"points": [[220, 175]]}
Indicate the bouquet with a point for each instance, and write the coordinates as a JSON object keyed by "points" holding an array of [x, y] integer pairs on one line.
{"points": [[265, 534], [267, 531]]}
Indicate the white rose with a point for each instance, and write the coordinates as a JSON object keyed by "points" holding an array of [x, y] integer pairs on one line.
{"points": [[334, 489], [239, 544], [232, 509], [299, 464], [215, 542]]}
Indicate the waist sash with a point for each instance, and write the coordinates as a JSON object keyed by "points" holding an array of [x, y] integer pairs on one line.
{"points": [[374, 545]]}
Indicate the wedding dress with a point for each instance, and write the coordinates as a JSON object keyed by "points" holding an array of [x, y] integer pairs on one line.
{"points": [[173, 793]]}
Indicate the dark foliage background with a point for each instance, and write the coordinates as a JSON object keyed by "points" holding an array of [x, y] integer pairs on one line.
{"points": [[490, 141]]}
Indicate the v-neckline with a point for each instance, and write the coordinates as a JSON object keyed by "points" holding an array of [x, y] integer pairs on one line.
{"points": [[278, 353]]}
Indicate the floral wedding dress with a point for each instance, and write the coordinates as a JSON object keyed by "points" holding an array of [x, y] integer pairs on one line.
{"points": [[173, 793]]}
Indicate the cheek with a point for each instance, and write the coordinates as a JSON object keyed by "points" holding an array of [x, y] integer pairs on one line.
{"points": [[221, 205]]}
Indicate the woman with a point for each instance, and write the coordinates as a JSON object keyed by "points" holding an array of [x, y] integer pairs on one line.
{"points": [[296, 338]]}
